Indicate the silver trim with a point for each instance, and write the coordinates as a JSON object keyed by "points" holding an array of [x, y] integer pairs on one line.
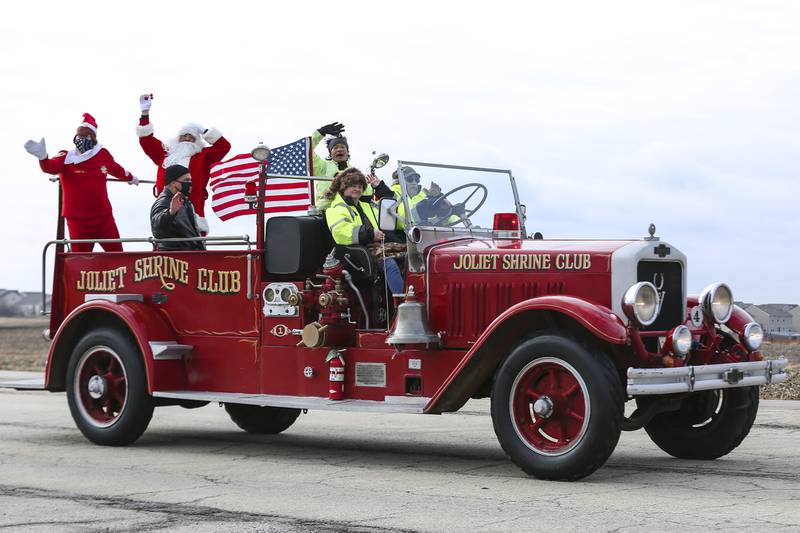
{"points": [[647, 381], [391, 404], [76, 386], [746, 336], [624, 270], [113, 298], [630, 298], [708, 295], [166, 350]]}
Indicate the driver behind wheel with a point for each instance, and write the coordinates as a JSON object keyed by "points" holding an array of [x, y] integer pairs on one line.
{"points": [[415, 193], [352, 221]]}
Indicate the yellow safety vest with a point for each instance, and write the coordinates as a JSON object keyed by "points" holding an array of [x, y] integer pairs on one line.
{"points": [[345, 222]]}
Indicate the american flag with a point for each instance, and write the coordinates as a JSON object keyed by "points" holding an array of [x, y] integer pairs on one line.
{"points": [[282, 196]]}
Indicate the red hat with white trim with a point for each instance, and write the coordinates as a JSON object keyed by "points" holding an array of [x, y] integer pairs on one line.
{"points": [[89, 122]]}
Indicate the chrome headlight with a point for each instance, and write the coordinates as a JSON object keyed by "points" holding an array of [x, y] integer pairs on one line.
{"points": [[753, 336], [716, 300], [681, 341], [640, 303]]}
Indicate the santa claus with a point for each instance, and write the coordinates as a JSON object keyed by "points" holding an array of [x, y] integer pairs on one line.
{"points": [[84, 172], [188, 150]]}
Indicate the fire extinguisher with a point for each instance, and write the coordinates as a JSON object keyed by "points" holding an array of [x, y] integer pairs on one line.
{"points": [[336, 379]]}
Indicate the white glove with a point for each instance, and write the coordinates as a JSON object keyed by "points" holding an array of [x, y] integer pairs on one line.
{"points": [[145, 101], [134, 180], [37, 149]]}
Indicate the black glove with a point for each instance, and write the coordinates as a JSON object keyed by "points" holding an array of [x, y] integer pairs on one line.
{"points": [[334, 128]]}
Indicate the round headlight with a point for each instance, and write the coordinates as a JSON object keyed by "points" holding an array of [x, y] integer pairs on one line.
{"points": [[753, 336], [681, 340], [716, 301], [640, 303]]}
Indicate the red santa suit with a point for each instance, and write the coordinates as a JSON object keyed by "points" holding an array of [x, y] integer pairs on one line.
{"points": [[198, 160], [85, 202]]}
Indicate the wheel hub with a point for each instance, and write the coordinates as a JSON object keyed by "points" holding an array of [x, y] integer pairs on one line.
{"points": [[543, 407], [97, 387]]}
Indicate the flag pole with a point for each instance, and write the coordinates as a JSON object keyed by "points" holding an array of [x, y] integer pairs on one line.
{"points": [[260, 153]]}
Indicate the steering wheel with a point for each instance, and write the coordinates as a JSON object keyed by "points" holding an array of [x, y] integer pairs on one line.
{"points": [[438, 203]]}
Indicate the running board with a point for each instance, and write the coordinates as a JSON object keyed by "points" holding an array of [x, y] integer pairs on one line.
{"points": [[22, 381], [392, 404]]}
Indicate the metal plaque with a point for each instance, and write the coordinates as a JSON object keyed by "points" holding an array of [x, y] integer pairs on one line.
{"points": [[370, 375]]}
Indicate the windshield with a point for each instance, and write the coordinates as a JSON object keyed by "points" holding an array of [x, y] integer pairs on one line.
{"points": [[445, 196]]}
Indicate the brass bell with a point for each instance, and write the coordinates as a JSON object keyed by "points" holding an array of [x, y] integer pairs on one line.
{"points": [[411, 326]]}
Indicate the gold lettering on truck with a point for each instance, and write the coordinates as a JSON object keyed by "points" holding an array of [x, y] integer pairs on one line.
{"points": [[166, 269], [102, 280], [523, 262], [219, 281]]}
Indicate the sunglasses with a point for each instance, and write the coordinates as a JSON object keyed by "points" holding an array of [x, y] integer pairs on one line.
{"points": [[412, 177]]}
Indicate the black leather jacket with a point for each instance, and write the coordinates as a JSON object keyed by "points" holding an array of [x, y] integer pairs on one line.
{"points": [[180, 225]]}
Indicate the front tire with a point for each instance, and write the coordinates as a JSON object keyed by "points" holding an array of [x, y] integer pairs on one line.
{"points": [[708, 425], [107, 388], [262, 420], [557, 407]]}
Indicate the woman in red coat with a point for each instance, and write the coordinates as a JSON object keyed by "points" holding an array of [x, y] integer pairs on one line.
{"points": [[84, 171]]}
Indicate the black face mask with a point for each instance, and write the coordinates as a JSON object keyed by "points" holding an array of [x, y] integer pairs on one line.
{"points": [[185, 186], [83, 144]]}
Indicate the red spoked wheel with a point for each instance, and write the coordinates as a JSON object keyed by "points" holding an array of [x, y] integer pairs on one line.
{"points": [[107, 387], [102, 387], [557, 406], [548, 402]]}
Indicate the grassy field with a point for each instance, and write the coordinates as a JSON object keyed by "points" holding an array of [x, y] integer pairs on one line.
{"points": [[23, 348]]}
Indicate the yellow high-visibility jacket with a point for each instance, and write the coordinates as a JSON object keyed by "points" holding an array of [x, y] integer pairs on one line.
{"points": [[324, 167], [401, 208], [345, 222]]}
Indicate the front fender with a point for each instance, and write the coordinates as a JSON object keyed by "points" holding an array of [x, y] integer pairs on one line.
{"points": [[142, 322], [508, 329]]}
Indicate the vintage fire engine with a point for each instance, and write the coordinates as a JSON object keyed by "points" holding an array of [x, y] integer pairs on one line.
{"points": [[560, 334]]}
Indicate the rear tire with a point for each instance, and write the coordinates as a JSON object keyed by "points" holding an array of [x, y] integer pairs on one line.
{"points": [[557, 407], [708, 425], [262, 420], [107, 388]]}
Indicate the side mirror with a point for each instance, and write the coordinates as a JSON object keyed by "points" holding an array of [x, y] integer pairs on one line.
{"points": [[387, 214], [379, 161]]}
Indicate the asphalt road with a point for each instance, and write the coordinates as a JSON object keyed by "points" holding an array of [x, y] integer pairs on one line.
{"points": [[194, 470]]}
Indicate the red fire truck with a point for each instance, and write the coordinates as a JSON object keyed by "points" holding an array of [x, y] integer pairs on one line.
{"points": [[559, 334]]}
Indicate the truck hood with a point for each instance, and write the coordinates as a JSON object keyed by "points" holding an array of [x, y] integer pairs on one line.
{"points": [[502, 255]]}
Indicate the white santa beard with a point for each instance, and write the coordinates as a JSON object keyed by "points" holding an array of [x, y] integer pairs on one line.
{"points": [[180, 153]]}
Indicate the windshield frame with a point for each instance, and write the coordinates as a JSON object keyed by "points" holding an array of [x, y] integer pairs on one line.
{"points": [[409, 224], [420, 236]]}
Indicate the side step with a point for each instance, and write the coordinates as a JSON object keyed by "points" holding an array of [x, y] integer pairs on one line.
{"points": [[22, 380], [392, 404]]}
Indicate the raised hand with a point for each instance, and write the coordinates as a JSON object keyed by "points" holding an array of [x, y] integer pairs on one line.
{"points": [[39, 150], [145, 101], [334, 128], [176, 204]]}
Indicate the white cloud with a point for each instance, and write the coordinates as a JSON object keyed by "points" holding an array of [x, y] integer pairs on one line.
{"points": [[611, 115]]}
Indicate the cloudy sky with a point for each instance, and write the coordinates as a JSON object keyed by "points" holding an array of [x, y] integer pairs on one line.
{"points": [[612, 115]]}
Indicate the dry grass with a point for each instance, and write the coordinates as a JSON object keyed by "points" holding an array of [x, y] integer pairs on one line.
{"points": [[23, 348]]}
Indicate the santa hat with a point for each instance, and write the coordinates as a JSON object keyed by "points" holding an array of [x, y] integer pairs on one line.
{"points": [[195, 130], [89, 122]]}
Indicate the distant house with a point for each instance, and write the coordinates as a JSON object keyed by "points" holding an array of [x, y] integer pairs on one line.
{"points": [[31, 304], [775, 319], [8, 299], [17, 303]]}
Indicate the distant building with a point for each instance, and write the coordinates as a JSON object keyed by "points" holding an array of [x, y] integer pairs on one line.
{"points": [[776, 319], [17, 303], [8, 299]]}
